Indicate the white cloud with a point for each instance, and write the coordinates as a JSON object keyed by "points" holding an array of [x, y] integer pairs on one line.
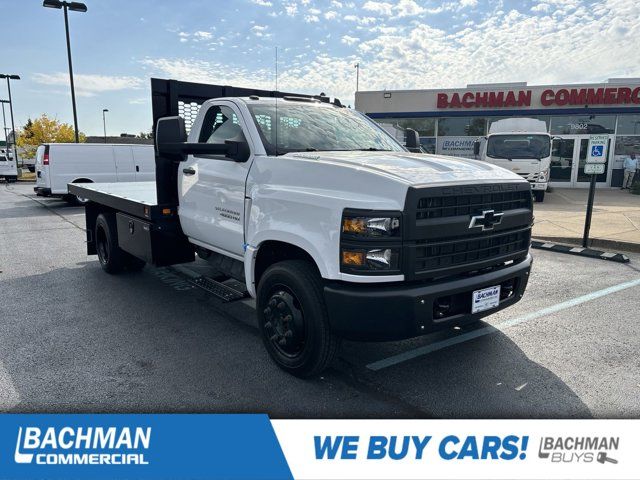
{"points": [[360, 20], [201, 35], [406, 8], [262, 3], [336, 4], [382, 8], [259, 30], [330, 15], [468, 3], [348, 40], [311, 18], [88, 85], [541, 7], [291, 9], [503, 46]]}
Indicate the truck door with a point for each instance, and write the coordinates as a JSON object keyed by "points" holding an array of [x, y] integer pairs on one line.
{"points": [[212, 187]]}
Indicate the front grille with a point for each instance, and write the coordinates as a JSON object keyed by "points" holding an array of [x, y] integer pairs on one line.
{"points": [[441, 241], [455, 252], [471, 204]]}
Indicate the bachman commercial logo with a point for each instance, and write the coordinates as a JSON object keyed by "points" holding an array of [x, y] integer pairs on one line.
{"points": [[83, 445]]}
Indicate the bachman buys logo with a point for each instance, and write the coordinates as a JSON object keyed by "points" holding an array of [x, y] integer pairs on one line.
{"points": [[83, 445]]}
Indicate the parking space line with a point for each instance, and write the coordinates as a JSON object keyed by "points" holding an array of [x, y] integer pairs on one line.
{"points": [[421, 351]]}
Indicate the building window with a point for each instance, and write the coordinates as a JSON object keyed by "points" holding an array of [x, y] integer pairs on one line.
{"points": [[627, 144], [462, 126], [582, 124], [426, 127], [628, 125]]}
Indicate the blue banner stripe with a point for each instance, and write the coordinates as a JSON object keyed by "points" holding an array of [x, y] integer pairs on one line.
{"points": [[140, 446]]}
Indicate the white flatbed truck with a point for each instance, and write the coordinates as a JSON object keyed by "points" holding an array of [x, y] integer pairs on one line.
{"points": [[334, 227]]}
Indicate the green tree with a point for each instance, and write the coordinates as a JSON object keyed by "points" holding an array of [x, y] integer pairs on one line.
{"points": [[44, 130]]}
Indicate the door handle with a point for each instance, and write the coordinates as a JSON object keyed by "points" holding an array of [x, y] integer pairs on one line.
{"points": [[188, 171], [137, 168]]}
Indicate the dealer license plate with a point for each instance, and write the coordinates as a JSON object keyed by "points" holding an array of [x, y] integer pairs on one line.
{"points": [[485, 299]]}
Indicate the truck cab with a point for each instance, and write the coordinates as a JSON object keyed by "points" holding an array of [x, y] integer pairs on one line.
{"points": [[337, 230], [521, 145]]}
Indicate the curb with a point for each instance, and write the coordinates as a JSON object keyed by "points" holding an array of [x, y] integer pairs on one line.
{"points": [[580, 251], [594, 242]]}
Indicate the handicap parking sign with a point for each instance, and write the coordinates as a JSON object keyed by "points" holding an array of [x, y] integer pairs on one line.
{"points": [[597, 150]]}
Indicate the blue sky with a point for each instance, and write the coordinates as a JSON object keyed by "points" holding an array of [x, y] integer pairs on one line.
{"points": [[118, 45]]}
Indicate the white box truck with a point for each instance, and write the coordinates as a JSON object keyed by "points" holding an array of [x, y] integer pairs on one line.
{"points": [[59, 164], [313, 209], [8, 167], [521, 145]]}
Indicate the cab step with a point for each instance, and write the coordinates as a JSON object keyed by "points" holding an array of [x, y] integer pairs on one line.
{"points": [[228, 291]]}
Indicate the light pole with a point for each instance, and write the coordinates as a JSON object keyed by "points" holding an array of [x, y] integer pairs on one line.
{"points": [[75, 7], [13, 126], [104, 123], [4, 122], [357, 67]]}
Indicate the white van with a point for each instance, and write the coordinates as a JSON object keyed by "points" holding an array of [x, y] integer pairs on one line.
{"points": [[8, 167], [58, 164]]}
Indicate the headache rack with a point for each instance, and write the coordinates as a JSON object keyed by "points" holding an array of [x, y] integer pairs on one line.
{"points": [[184, 99]]}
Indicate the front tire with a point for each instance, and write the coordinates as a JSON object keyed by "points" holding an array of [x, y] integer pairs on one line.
{"points": [[293, 319], [112, 258], [539, 195]]}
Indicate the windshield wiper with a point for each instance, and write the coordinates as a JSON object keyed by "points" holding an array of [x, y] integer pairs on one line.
{"points": [[372, 149]]}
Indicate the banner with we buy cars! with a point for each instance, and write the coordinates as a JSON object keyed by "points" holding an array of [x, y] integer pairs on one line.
{"points": [[253, 446]]}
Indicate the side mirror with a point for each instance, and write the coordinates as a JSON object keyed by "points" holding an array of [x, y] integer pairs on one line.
{"points": [[171, 142], [413, 141], [238, 148], [170, 134], [476, 147]]}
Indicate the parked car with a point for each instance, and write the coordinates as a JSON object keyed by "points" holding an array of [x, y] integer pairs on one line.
{"points": [[8, 167], [58, 164]]}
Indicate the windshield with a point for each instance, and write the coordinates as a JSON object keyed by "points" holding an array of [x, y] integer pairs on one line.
{"points": [[310, 128], [518, 146]]}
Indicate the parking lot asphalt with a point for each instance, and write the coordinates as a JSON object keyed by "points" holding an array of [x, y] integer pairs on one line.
{"points": [[74, 339]]}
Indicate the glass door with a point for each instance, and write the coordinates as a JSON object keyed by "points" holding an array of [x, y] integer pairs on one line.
{"points": [[568, 159], [582, 179], [562, 153]]}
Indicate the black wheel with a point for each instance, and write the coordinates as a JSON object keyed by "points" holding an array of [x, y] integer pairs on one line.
{"points": [[293, 319], [75, 200], [112, 258], [539, 195], [32, 169]]}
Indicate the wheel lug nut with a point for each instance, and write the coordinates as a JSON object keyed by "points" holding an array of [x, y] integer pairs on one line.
{"points": [[282, 341], [273, 303], [288, 318], [268, 325], [281, 306], [274, 337], [288, 334], [267, 311]]}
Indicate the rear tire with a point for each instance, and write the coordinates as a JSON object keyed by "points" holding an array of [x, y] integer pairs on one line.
{"points": [[293, 319], [539, 195], [112, 258]]}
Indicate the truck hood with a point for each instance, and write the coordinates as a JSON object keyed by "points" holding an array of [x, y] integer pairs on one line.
{"points": [[415, 168]]}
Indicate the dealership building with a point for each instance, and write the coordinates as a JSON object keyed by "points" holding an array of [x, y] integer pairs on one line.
{"points": [[450, 120]]}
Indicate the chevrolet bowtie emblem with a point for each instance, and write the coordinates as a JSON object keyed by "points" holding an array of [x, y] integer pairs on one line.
{"points": [[487, 220]]}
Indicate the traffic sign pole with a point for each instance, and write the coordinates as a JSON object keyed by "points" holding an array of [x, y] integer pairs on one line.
{"points": [[587, 222], [596, 159]]}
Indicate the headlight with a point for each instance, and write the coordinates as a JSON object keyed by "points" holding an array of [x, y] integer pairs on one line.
{"points": [[371, 226], [544, 175], [370, 259]]}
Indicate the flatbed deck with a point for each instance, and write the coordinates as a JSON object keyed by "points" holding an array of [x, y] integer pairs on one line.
{"points": [[135, 198]]}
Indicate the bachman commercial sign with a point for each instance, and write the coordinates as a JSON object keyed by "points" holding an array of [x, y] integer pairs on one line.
{"points": [[549, 97]]}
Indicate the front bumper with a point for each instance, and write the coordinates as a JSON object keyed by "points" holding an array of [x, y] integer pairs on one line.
{"points": [[399, 311], [539, 186]]}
